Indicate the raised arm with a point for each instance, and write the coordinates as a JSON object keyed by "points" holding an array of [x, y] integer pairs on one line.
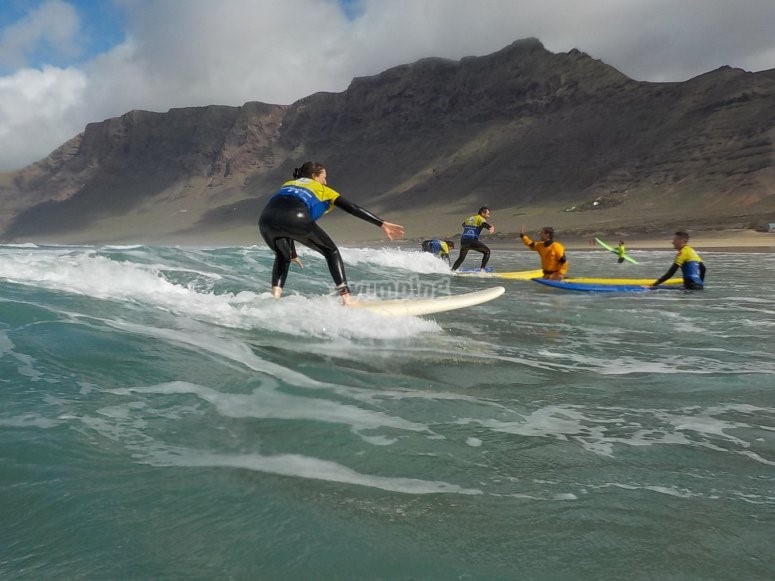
{"points": [[526, 240]]}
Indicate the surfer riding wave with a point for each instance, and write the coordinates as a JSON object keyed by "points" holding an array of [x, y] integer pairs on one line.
{"points": [[291, 215]]}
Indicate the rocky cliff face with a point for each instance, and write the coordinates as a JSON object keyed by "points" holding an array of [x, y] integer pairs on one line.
{"points": [[141, 157], [519, 127]]}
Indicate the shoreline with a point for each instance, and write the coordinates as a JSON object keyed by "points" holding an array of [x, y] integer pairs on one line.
{"points": [[732, 240], [720, 241], [357, 233]]}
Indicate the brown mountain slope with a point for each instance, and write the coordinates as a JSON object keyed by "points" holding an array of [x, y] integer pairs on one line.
{"points": [[536, 135]]}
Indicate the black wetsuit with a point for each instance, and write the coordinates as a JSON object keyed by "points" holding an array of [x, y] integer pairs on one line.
{"points": [[467, 244], [286, 218], [469, 240]]}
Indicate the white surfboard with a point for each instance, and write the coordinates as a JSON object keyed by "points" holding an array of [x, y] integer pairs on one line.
{"points": [[415, 307]]}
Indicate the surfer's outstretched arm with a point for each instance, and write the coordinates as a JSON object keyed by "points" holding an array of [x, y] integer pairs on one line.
{"points": [[391, 230]]}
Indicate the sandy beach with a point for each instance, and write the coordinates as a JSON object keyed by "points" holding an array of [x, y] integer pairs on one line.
{"points": [[354, 234], [574, 230]]}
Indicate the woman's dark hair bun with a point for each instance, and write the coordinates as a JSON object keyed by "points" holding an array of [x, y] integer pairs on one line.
{"points": [[309, 169]]}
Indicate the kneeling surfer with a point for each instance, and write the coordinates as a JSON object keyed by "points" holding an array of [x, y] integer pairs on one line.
{"points": [[553, 260]]}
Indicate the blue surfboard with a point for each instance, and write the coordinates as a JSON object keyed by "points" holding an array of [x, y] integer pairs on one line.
{"points": [[471, 269], [603, 288]]}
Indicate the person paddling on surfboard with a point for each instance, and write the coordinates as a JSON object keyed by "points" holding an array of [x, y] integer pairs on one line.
{"points": [[291, 214], [469, 240], [690, 263], [553, 260]]}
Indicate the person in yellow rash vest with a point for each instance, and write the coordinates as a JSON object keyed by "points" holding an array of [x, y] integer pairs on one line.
{"points": [[691, 265], [469, 239], [620, 252], [291, 216], [438, 248], [553, 260]]}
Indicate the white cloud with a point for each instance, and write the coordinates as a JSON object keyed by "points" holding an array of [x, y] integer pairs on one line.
{"points": [[36, 112], [53, 26], [199, 52]]}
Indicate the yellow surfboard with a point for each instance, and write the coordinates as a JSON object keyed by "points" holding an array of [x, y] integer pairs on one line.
{"points": [[625, 281], [519, 274]]}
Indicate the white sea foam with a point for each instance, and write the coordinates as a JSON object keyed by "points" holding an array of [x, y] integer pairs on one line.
{"points": [[28, 421], [269, 403], [26, 363], [667, 490], [409, 260], [599, 431], [89, 274], [301, 466]]}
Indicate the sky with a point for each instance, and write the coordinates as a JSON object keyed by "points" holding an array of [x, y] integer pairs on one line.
{"points": [[66, 63]]}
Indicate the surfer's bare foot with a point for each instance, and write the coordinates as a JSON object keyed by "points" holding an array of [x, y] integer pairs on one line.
{"points": [[297, 262], [344, 294], [348, 299], [277, 291]]}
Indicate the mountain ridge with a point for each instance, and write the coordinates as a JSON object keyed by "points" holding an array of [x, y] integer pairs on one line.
{"points": [[522, 129]]}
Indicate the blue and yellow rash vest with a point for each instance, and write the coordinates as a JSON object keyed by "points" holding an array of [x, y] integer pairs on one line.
{"points": [[317, 197], [689, 262], [439, 247], [472, 227]]}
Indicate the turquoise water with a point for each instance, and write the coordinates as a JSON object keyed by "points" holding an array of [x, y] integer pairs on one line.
{"points": [[162, 417]]}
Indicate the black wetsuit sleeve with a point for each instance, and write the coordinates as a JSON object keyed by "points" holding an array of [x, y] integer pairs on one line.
{"points": [[357, 211], [702, 271], [486, 225], [670, 272]]}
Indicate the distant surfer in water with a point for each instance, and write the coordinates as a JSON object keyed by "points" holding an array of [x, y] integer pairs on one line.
{"points": [[691, 265], [291, 214], [469, 240], [553, 260], [438, 248], [621, 251]]}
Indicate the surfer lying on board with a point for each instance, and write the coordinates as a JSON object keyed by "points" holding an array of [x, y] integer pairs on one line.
{"points": [[291, 214], [438, 248], [691, 265], [469, 240], [553, 260]]}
